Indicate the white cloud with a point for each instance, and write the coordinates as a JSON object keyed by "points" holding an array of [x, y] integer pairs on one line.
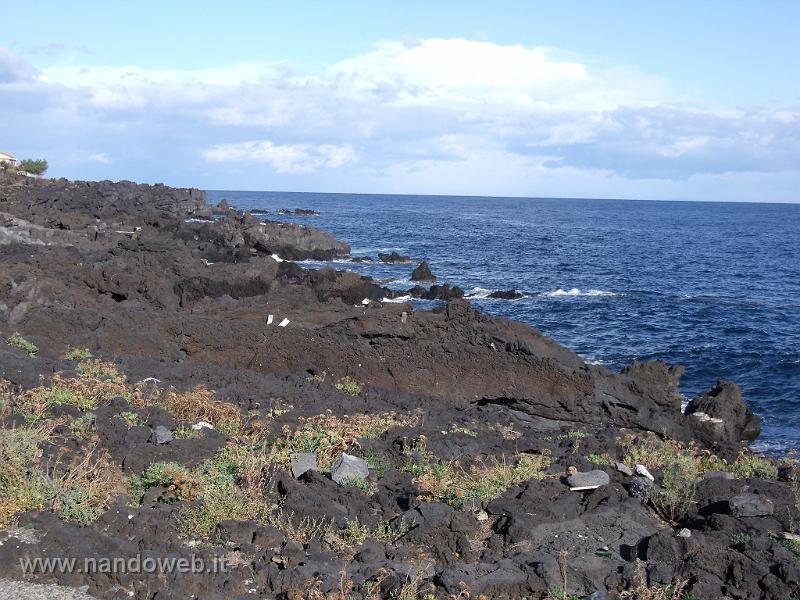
{"points": [[287, 158], [460, 73], [435, 108], [100, 157]]}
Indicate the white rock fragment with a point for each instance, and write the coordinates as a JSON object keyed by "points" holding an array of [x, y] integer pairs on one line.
{"points": [[202, 425], [269, 319], [365, 302], [284, 323], [642, 470], [705, 417]]}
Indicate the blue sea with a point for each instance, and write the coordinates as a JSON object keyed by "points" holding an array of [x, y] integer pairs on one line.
{"points": [[711, 286]]}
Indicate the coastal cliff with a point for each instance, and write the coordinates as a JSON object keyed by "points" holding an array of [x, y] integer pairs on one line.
{"points": [[179, 349]]}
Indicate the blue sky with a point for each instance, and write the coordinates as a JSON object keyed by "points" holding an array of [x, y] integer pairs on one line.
{"points": [[612, 99]]}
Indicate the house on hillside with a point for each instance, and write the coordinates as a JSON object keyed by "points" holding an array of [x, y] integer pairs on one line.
{"points": [[7, 157]]}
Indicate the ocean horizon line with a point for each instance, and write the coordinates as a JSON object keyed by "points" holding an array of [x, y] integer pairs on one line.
{"points": [[501, 197]]}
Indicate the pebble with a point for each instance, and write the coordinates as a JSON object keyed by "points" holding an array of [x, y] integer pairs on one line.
{"points": [[684, 533]]}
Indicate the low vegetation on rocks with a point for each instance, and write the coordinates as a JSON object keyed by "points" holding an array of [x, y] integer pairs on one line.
{"points": [[17, 341]]}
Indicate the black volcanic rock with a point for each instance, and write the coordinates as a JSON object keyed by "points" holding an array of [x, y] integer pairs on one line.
{"points": [[300, 212], [721, 415], [423, 273], [394, 257], [505, 295]]}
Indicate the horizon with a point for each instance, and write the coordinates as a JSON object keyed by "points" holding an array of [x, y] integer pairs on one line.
{"points": [[499, 197], [510, 101]]}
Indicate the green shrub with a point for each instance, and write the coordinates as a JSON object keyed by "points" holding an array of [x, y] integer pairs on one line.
{"points": [[752, 465], [84, 426], [600, 459], [349, 386], [361, 484], [175, 477], [443, 482], [17, 341], [675, 500], [378, 463], [131, 419], [80, 354], [22, 486]]}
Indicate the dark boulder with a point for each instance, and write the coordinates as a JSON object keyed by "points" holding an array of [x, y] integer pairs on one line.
{"points": [[423, 273], [721, 415], [437, 292], [394, 258], [505, 295]]}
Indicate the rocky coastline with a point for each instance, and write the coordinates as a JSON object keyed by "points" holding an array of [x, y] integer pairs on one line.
{"points": [[174, 384]]}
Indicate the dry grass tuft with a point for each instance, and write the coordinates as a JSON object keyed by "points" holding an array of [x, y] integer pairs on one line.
{"points": [[328, 435], [79, 490], [86, 486], [22, 484], [485, 480], [640, 590], [198, 404], [655, 453], [98, 383]]}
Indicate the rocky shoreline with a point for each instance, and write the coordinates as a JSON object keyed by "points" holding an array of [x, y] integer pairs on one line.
{"points": [[175, 385]]}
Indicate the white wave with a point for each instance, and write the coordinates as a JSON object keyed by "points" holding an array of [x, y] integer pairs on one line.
{"points": [[478, 292], [403, 281], [398, 300], [198, 220], [277, 258], [335, 261], [575, 292], [591, 360]]}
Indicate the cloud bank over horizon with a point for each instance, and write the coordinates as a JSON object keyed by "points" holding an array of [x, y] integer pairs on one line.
{"points": [[439, 116]]}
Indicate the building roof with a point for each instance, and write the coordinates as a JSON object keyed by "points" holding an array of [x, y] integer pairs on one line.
{"points": [[7, 155]]}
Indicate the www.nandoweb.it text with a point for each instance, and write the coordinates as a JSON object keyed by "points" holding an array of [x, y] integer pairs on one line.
{"points": [[124, 565]]}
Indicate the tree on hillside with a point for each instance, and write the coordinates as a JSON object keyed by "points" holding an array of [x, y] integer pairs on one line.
{"points": [[33, 166]]}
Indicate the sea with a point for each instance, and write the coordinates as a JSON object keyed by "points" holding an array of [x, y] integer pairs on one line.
{"points": [[714, 287]]}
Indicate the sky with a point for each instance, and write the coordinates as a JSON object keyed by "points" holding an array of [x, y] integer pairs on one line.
{"points": [[614, 99]]}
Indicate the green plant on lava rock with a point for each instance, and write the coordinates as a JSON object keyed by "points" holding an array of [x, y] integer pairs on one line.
{"points": [[79, 354], [328, 435], [485, 480], [348, 385], [17, 341], [679, 484]]}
